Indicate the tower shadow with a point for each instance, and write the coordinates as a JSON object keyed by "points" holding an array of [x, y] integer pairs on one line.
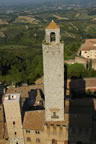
{"points": [[82, 111], [34, 101], [65, 80], [2, 89], [77, 87]]}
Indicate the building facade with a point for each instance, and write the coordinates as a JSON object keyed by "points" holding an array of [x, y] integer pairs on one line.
{"points": [[53, 65], [50, 126], [57, 123], [88, 49], [13, 118]]}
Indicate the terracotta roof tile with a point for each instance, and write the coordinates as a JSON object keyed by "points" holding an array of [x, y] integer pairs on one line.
{"points": [[34, 120], [53, 25], [89, 44], [24, 91]]}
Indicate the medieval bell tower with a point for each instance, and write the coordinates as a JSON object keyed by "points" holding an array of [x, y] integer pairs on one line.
{"points": [[53, 65]]}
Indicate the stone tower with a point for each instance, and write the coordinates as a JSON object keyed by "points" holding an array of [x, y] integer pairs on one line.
{"points": [[53, 63], [13, 118]]}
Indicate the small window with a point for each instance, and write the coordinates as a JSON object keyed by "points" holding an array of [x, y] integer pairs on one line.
{"points": [[80, 53], [64, 125], [28, 139], [27, 131], [37, 132], [13, 122], [15, 133], [37, 140]]}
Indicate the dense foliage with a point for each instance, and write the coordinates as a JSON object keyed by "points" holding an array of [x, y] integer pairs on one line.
{"points": [[20, 66], [21, 43], [78, 70]]}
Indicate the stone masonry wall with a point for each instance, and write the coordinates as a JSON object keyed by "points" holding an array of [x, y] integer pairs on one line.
{"points": [[53, 62]]}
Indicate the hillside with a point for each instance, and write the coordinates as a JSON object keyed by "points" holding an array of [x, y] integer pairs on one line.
{"points": [[22, 33]]}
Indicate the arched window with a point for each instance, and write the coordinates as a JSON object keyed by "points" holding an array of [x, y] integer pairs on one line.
{"points": [[52, 37], [54, 141]]}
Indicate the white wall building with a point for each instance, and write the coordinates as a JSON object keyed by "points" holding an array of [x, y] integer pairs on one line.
{"points": [[88, 49]]}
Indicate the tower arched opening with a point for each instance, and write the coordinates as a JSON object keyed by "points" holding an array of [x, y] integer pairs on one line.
{"points": [[52, 37]]}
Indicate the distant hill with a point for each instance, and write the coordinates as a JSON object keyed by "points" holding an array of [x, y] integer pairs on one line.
{"points": [[18, 2]]}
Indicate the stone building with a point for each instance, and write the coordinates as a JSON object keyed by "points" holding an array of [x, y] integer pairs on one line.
{"points": [[13, 118], [33, 127], [59, 121], [53, 65], [88, 49], [86, 54], [50, 125]]}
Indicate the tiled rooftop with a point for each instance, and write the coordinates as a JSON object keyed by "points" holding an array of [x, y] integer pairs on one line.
{"points": [[89, 44], [53, 25], [24, 91], [78, 113], [34, 120], [82, 108], [77, 84]]}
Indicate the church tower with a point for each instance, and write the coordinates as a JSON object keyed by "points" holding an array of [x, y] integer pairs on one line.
{"points": [[13, 118], [53, 65]]}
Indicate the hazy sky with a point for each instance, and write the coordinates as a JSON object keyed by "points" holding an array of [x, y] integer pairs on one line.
{"points": [[11, 2], [14, 1], [26, 1], [41, 1], [38, 1]]}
